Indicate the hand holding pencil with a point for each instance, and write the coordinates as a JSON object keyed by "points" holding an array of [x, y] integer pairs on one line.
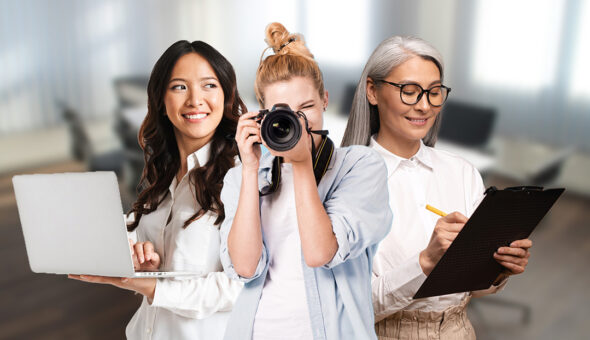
{"points": [[446, 229], [514, 258]]}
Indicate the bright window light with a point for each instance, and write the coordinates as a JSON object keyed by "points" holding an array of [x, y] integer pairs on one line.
{"points": [[581, 66], [516, 43], [337, 30]]}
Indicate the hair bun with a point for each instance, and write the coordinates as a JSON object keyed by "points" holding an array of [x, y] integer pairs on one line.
{"points": [[283, 42], [276, 36]]}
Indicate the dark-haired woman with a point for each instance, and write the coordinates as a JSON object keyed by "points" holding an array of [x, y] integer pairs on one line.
{"points": [[193, 105]]}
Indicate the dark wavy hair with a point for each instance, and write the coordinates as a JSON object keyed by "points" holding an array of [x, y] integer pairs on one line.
{"points": [[160, 151]]}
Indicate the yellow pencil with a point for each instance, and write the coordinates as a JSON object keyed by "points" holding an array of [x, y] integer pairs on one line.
{"points": [[436, 211]]}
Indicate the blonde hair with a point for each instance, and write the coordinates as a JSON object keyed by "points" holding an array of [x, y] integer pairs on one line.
{"points": [[291, 58]]}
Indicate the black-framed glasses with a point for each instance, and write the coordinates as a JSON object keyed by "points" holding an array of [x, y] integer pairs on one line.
{"points": [[410, 94]]}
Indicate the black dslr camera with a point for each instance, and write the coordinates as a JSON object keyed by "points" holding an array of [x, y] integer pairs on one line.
{"points": [[280, 128]]}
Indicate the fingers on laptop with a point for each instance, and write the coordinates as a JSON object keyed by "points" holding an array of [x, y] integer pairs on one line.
{"points": [[150, 253], [139, 252], [147, 257]]}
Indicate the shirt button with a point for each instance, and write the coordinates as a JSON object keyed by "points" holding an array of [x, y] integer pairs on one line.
{"points": [[149, 330]]}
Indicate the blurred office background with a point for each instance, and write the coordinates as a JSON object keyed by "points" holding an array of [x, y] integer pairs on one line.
{"points": [[73, 76]]}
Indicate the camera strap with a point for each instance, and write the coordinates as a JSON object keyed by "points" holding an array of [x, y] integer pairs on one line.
{"points": [[320, 158]]}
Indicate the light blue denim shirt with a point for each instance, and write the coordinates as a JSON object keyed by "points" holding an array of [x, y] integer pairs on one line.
{"points": [[355, 196]]}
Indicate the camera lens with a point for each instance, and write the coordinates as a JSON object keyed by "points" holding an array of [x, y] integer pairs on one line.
{"points": [[281, 129]]}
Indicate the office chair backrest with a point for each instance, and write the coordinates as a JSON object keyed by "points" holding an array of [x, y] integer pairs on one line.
{"points": [[467, 124], [80, 144], [347, 97]]}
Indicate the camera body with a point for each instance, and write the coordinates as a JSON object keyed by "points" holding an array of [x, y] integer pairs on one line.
{"points": [[280, 127]]}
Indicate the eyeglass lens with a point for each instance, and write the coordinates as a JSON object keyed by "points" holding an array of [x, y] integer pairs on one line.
{"points": [[412, 93]]}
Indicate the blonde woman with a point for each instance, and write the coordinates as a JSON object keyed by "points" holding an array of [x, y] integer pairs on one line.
{"points": [[304, 247]]}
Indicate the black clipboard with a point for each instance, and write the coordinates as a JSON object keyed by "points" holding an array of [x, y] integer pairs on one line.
{"points": [[502, 217]]}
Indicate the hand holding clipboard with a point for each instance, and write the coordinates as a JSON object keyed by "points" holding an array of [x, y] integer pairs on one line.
{"points": [[501, 218], [513, 257]]}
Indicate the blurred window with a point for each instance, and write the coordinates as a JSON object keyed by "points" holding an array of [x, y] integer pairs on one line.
{"points": [[581, 61], [516, 43], [337, 25]]}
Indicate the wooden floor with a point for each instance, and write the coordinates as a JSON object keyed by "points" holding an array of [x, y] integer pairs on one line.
{"points": [[556, 286]]}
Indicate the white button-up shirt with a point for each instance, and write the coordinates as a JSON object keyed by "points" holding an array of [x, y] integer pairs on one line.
{"points": [[434, 177], [185, 308]]}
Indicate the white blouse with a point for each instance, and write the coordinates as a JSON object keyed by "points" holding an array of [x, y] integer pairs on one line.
{"points": [[441, 179], [184, 308], [283, 305]]}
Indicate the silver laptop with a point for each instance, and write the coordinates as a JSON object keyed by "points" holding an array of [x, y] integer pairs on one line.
{"points": [[73, 223]]}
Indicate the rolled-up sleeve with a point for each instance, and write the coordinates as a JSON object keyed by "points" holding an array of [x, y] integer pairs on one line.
{"points": [[359, 205], [230, 194]]}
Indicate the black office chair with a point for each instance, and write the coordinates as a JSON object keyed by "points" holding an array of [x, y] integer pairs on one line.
{"points": [[467, 124], [347, 98], [81, 146], [131, 91]]}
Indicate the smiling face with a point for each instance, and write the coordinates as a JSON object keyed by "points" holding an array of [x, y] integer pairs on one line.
{"points": [[300, 94], [194, 102], [402, 126]]}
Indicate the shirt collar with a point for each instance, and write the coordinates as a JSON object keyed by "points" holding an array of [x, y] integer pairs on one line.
{"points": [[195, 159], [392, 161], [424, 155], [199, 157]]}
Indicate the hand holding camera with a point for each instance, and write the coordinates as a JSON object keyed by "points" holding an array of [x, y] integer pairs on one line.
{"points": [[248, 139], [280, 129]]}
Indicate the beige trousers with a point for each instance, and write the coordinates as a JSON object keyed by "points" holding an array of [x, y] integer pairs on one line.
{"points": [[450, 324]]}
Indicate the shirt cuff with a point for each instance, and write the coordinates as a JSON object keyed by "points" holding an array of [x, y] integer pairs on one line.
{"points": [[410, 280], [230, 271], [160, 291], [343, 251]]}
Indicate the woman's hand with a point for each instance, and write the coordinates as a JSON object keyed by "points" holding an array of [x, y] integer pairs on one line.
{"points": [[145, 287], [444, 234], [514, 258], [301, 152], [248, 133], [144, 256]]}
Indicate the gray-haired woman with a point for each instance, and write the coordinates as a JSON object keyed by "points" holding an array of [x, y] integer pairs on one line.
{"points": [[396, 111]]}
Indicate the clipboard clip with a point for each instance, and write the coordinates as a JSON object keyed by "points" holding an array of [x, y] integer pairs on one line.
{"points": [[490, 190], [525, 188]]}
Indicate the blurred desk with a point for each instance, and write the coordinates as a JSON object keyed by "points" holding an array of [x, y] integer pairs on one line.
{"points": [[134, 116], [529, 162], [483, 162]]}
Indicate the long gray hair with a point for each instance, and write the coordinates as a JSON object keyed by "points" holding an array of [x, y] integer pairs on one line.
{"points": [[364, 117]]}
